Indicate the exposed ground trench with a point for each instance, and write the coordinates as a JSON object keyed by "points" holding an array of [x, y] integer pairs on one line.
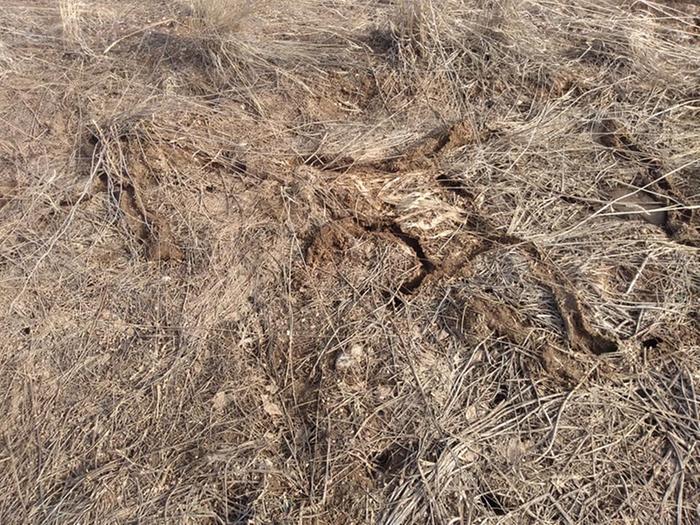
{"points": [[579, 331], [580, 334], [154, 234]]}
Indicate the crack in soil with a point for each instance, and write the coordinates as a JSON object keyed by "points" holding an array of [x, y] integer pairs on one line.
{"points": [[331, 235], [578, 330], [580, 334], [411, 241]]}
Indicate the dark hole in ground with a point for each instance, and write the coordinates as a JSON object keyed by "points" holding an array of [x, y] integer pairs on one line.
{"points": [[501, 395], [494, 503], [393, 458], [396, 302], [237, 507], [643, 392], [381, 41], [603, 346], [652, 342]]}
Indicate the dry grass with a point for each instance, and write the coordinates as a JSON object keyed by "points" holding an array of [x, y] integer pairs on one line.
{"points": [[223, 16], [350, 262], [5, 59], [72, 13]]}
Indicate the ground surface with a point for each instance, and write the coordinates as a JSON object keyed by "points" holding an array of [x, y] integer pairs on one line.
{"points": [[349, 261]]}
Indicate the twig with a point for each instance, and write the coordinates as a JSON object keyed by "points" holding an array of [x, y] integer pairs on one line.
{"points": [[134, 33], [633, 283], [555, 428]]}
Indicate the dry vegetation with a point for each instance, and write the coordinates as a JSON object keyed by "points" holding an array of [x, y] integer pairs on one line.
{"points": [[350, 261]]}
